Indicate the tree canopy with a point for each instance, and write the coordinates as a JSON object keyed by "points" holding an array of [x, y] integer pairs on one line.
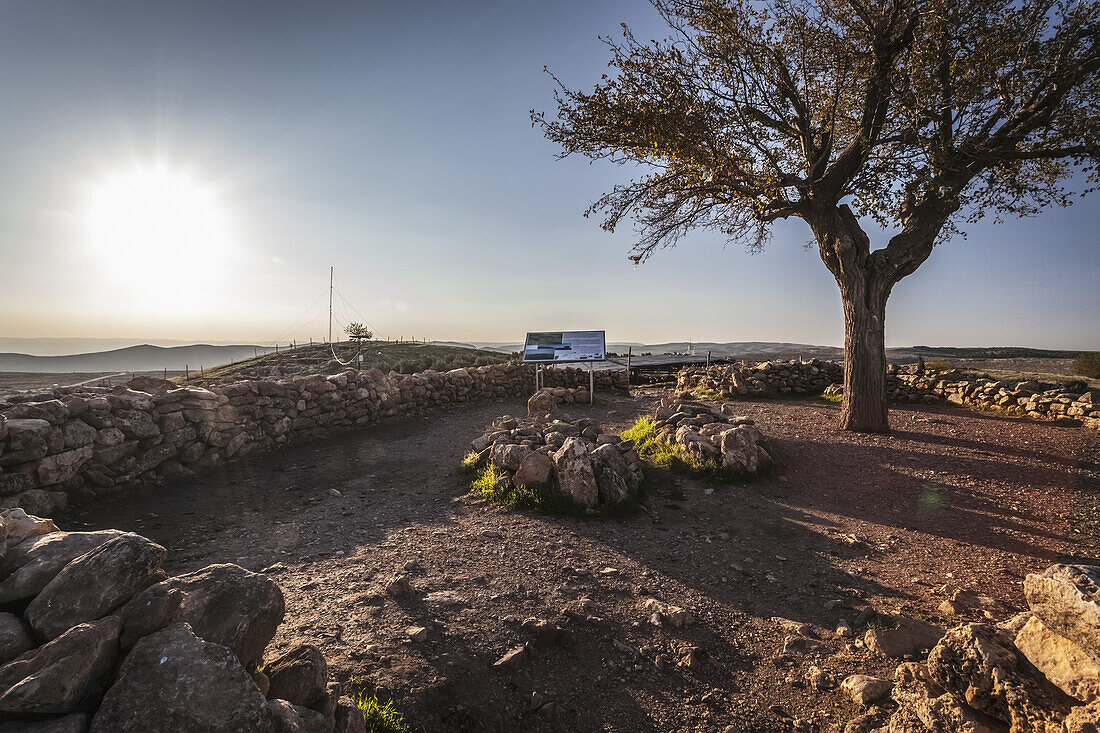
{"points": [[914, 113]]}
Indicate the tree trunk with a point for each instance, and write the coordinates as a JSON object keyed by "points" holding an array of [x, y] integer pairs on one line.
{"points": [[864, 408]]}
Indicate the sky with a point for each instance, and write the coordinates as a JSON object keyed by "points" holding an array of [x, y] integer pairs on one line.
{"points": [[190, 171]]}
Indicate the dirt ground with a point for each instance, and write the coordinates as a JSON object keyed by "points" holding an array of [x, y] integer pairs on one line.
{"points": [[949, 496]]}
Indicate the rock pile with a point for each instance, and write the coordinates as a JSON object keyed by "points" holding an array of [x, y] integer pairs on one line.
{"points": [[95, 637], [712, 436], [1039, 671], [1030, 399], [82, 442], [587, 465]]}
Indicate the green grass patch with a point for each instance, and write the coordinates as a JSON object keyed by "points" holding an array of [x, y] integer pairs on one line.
{"points": [[665, 454], [381, 717], [837, 398], [544, 498]]}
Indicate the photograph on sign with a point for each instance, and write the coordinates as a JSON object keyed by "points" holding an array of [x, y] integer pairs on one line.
{"points": [[563, 346]]}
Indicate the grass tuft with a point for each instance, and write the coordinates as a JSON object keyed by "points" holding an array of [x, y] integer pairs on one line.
{"points": [[665, 454], [381, 717], [544, 498]]}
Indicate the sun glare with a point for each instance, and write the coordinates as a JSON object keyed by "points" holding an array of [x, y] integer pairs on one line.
{"points": [[155, 229]]}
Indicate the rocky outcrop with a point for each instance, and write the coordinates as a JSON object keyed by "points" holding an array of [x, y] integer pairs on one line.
{"points": [[1023, 675], [81, 442], [122, 648], [590, 467]]}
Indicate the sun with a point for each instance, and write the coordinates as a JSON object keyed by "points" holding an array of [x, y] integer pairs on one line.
{"points": [[156, 214], [162, 236]]}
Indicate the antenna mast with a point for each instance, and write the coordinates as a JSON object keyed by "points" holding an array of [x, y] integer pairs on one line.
{"points": [[330, 304]]}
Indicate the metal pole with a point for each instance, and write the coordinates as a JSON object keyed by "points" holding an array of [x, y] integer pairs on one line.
{"points": [[629, 350], [708, 359], [591, 384], [330, 269]]}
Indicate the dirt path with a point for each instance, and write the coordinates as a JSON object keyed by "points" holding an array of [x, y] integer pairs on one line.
{"points": [[883, 520]]}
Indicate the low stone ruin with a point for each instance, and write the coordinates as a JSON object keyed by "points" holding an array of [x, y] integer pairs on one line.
{"points": [[589, 466], [1032, 399], [94, 636], [712, 436], [1039, 671]]}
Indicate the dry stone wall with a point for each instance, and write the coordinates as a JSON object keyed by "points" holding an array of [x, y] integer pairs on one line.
{"points": [[1028, 399], [77, 443]]}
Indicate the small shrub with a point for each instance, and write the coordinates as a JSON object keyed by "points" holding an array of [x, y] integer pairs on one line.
{"points": [[381, 717], [838, 398], [939, 365], [1087, 364], [1076, 386]]}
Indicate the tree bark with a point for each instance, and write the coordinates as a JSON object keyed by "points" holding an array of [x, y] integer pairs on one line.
{"points": [[864, 407]]}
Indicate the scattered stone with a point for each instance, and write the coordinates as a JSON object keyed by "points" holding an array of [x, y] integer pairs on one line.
{"points": [[286, 717], [1060, 660], [185, 685], [417, 633], [908, 637], [64, 675], [95, 583], [534, 470], [863, 689], [399, 587], [299, 676], [1066, 598], [33, 563], [17, 526], [513, 658], [224, 604]]}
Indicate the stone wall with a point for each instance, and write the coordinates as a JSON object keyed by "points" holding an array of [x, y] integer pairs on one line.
{"points": [[1028, 399], [77, 443]]}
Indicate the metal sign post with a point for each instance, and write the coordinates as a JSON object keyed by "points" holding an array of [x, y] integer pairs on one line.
{"points": [[591, 384]]}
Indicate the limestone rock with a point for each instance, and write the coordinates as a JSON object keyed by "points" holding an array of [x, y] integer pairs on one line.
{"points": [[864, 689], [1060, 660], [574, 471], [95, 583], [982, 665], [300, 676], [611, 474], [1084, 719], [508, 457], [224, 604], [533, 470], [33, 563], [348, 718], [173, 681], [15, 637], [542, 406], [286, 717], [18, 525], [64, 675], [1066, 598], [908, 637], [925, 706]]}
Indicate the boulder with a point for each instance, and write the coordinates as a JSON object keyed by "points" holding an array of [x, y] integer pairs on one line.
{"points": [[1066, 598], [1060, 660], [173, 681], [17, 526], [609, 467], [224, 604], [300, 676], [72, 723], [982, 666], [15, 637], [289, 718], [925, 706], [94, 584], [33, 563], [864, 689], [1084, 719], [533, 470], [573, 469], [542, 406], [908, 637], [508, 457], [62, 676], [348, 717]]}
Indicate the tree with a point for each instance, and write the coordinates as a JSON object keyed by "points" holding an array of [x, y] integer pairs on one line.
{"points": [[359, 332], [905, 116]]}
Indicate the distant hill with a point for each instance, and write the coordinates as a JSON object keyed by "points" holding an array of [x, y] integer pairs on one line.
{"points": [[132, 359]]}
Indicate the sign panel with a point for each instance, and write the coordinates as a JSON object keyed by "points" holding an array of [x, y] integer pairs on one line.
{"points": [[563, 346]]}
